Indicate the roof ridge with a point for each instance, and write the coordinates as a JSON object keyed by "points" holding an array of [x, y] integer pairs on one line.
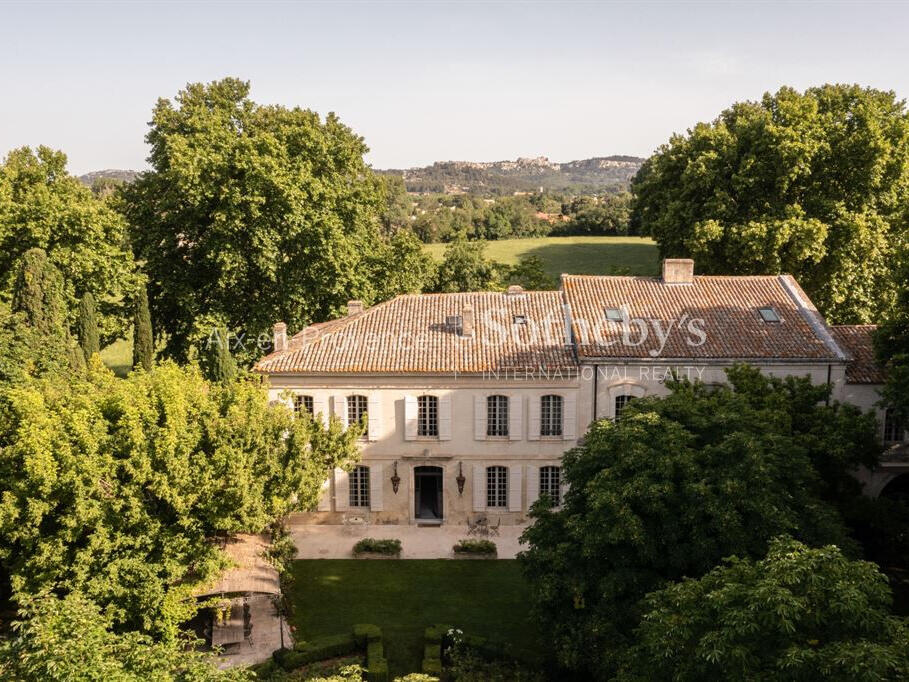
{"points": [[811, 315]]}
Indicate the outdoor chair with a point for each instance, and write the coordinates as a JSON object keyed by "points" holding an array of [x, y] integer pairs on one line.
{"points": [[494, 530]]}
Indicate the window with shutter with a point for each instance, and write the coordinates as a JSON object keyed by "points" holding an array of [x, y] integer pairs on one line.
{"points": [[551, 415], [497, 415], [357, 406], [428, 416], [359, 486], [496, 486], [551, 484]]}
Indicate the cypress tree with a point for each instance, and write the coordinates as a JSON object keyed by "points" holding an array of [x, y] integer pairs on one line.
{"points": [[38, 294], [220, 365], [87, 327], [143, 345]]}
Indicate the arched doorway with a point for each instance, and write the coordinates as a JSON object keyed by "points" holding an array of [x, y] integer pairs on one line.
{"points": [[897, 489], [428, 493]]}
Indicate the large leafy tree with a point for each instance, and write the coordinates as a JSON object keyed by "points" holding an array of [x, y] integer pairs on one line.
{"points": [[815, 184], [42, 206], [892, 345], [112, 487], [797, 614], [465, 267], [251, 214], [60, 640], [675, 485]]}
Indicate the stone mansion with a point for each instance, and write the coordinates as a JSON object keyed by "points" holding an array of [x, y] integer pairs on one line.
{"points": [[470, 399]]}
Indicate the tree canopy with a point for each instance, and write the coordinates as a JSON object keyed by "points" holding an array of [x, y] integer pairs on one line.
{"points": [[42, 206], [59, 640], [466, 268], [252, 214], [892, 345], [797, 614], [113, 487], [815, 184], [675, 485]]}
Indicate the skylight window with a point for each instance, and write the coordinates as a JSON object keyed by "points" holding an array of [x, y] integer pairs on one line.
{"points": [[769, 314], [519, 319], [614, 315]]}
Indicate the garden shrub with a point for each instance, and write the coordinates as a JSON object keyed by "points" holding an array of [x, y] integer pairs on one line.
{"points": [[375, 650], [376, 665], [432, 666], [475, 547], [328, 646], [390, 547], [366, 632]]}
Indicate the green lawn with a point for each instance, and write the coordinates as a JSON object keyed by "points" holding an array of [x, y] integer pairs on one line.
{"points": [[403, 597], [576, 255], [118, 356]]}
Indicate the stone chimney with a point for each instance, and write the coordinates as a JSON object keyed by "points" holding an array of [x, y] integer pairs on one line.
{"points": [[514, 290], [467, 320], [354, 307], [280, 336], [678, 271]]}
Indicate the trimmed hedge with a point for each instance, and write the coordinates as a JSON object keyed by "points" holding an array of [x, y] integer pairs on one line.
{"points": [[432, 649], [364, 635], [432, 666], [482, 547], [376, 665], [366, 632], [389, 547]]}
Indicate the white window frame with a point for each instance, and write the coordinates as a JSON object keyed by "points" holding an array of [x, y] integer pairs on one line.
{"points": [[358, 487], [497, 487], [548, 473], [619, 403], [428, 406], [628, 388], [300, 403], [497, 416], [555, 424], [357, 408]]}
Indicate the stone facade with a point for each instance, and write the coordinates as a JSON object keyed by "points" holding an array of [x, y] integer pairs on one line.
{"points": [[470, 415]]}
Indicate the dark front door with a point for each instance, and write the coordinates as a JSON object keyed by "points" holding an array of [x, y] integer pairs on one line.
{"points": [[428, 493]]}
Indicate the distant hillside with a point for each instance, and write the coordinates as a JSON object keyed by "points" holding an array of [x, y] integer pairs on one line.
{"points": [[600, 174], [609, 173], [89, 179]]}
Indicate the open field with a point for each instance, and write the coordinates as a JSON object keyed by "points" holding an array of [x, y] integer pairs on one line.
{"points": [[118, 356], [576, 255], [403, 597]]}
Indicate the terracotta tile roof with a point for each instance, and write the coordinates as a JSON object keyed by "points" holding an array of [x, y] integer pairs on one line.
{"points": [[728, 307], [410, 334], [855, 339]]}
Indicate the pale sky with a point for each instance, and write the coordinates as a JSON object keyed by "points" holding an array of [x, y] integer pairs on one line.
{"points": [[432, 81]]}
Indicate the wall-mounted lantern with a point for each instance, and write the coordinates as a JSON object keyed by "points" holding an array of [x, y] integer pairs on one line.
{"points": [[460, 479], [395, 480]]}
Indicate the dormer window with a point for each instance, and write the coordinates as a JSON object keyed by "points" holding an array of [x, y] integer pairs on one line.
{"points": [[769, 314], [615, 315], [519, 319], [453, 322]]}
